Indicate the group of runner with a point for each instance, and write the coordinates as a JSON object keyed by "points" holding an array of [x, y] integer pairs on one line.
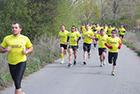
{"points": [[106, 36], [18, 46]]}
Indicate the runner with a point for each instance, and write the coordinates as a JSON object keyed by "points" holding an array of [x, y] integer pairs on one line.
{"points": [[87, 36], [102, 48], [96, 39], [73, 37], [105, 29], [76, 30], [92, 27], [83, 27], [62, 38], [112, 43], [15, 44], [109, 30], [98, 28], [121, 32]]}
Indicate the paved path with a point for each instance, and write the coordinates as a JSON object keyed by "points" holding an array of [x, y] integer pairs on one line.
{"points": [[86, 79]]}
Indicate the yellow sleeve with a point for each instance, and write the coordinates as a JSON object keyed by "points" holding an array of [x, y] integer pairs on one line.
{"points": [[120, 41], [106, 41], [4, 43], [97, 36], [91, 34], [59, 35], [28, 43]]}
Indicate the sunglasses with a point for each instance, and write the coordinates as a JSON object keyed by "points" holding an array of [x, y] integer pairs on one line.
{"points": [[72, 28]]}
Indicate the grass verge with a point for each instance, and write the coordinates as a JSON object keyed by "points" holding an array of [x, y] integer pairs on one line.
{"points": [[132, 40]]}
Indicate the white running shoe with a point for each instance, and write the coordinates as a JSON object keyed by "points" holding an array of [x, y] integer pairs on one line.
{"points": [[69, 65], [101, 64], [104, 63], [62, 61]]}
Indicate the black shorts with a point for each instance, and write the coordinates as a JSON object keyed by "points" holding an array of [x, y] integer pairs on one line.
{"points": [[101, 50], [17, 72], [109, 35], [112, 56], [73, 47], [64, 46], [121, 35], [86, 47], [96, 39]]}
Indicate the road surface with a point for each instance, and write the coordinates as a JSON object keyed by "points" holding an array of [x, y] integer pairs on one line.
{"points": [[58, 78]]}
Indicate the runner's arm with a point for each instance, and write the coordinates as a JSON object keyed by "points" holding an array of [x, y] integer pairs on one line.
{"points": [[110, 47], [28, 50], [3, 50]]}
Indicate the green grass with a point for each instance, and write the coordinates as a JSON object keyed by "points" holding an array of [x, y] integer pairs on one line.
{"points": [[132, 40]]}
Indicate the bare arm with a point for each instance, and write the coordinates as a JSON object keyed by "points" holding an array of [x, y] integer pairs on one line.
{"points": [[28, 50], [4, 50]]}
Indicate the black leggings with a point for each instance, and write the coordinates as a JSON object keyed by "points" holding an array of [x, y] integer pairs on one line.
{"points": [[112, 56], [17, 72]]}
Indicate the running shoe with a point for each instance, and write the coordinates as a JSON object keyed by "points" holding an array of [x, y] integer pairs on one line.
{"points": [[69, 65], [112, 73], [74, 63], [62, 62], [101, 64], [84, 63], [104, 63], [88, 56]]}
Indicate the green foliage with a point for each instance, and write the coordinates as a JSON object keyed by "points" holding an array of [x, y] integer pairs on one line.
{"points": [[138, 53]]}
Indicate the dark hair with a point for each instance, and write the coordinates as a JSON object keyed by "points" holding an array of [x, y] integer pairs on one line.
{"points": [[18, 24], [114, 30], [102, 29], [73, 26]]}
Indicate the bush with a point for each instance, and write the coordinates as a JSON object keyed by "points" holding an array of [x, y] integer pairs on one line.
{"points": [[138, 53]]}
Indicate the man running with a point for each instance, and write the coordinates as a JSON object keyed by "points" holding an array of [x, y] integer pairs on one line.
{"points": [[16, 44], [102, 48], [76, 30], [112, 44], [82, 28], [73, 37], [96, 39], [109, 30], [87, 36], [121, 32], [62, 38]]}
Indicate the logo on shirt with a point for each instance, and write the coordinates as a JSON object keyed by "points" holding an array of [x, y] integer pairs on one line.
{"points": [[16, 46], [113, 42]]}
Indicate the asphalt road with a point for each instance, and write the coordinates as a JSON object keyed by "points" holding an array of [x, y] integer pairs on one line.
{"points": [[58, 78]]}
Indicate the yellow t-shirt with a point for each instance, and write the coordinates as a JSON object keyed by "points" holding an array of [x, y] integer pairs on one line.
{"points": [[114, 43], [121, 30], [73, 36], [92, 27], [63, 36], [87, 39], [77, 33], [102, 40], [98, 28], [83, 28], [109, 30], [95, 31], [105, 30], [15, 55]]}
